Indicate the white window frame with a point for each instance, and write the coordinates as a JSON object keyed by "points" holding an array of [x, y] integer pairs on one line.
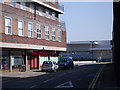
{"points": [[59, 35], [23, 5], [53, 15], [39, 33], [11, 4], [32, 8], [53, 34], [6, 32], [47, 13], [21, 29], [40, 10], [30, 30], [47, 31]]}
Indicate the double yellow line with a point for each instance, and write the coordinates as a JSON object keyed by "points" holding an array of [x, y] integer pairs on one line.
{"points": [[93, 83]]}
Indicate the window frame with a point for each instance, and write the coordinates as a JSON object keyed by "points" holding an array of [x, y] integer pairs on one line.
{"points": [[23, 7], [30, 30], [47, 14], [53, 17], [32, 8], [6, 32], [22, 28], [59, 35], [47, 29], [53, 34], [39, 33], [11, 4], [40, 11]]}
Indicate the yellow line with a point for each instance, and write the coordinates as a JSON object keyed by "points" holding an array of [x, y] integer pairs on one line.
{"points": [[92, 84]]}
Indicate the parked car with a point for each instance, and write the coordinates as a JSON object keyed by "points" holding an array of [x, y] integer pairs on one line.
{"points": [[49, 66], [66, 63]]}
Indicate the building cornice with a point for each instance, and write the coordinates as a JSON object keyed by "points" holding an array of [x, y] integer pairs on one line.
{"points": [[48, 6], [30, 46]]}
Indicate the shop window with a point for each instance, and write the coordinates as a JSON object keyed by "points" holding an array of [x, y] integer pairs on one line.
{"points": [[8, 25], [17, 61], [5, 62]]}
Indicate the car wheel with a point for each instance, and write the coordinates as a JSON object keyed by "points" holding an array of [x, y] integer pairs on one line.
{"points": [[55, 70]]}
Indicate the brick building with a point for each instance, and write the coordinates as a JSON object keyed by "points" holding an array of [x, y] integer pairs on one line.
{"points": [[30, 33]]}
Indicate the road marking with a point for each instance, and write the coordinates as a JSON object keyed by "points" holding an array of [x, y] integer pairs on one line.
{"points": [[65, 85], [31, 87], [92, 84], [48, 80]]}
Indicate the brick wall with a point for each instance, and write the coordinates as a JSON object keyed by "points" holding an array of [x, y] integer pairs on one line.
{"points": [[34, 41]]}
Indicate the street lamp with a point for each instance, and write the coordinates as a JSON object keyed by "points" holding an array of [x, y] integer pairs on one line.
{"points": [[93, 42]]}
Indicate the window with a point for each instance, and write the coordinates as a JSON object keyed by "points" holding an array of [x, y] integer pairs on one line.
{"points": [[31, 8], [59, 35], [8, 25], [13, 4], [38, 31], [30, 30], [53, 1], [47, 32], [53, 34], [20, 27], [53, 15], [23, 5], [40, 11], [47, 13]]}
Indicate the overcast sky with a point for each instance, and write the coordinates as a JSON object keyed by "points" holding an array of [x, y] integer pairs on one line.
{"points": [[88, 20]]}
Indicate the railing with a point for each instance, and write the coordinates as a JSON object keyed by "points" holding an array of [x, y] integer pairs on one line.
{"points": [[61, 7]]}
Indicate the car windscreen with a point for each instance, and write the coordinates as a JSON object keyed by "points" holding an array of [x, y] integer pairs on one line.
{"points": [[64, 60], [47, 62]]}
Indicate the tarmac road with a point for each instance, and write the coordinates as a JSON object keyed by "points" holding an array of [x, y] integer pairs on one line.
{"points": [[82, 76]]}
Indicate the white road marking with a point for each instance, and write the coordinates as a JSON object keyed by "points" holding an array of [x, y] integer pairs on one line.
{"points": [[31, 87], [64, 86], [48, 80]]}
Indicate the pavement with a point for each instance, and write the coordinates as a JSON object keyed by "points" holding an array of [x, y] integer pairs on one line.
{"points": [[6, 76], [106, 79]]}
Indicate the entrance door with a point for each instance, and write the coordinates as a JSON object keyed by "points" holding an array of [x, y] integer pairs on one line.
{"points": [[34, 62]]}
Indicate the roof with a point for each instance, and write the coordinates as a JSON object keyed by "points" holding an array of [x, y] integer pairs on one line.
{"points": [[82, 42], [100, 49]]}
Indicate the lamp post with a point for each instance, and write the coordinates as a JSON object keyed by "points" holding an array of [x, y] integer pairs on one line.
{"points": [[92, 49], [93, 42]]}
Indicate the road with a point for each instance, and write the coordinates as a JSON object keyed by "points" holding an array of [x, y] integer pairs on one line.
{"points": [[82, 76]]}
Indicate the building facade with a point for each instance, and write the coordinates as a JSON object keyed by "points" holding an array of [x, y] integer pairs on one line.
{"points": [[30, 33], [89, 50]]}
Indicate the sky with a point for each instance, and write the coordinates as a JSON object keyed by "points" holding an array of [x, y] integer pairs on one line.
{"points": [[87, 21]]}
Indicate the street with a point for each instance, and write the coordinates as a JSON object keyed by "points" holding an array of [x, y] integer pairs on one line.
{"points": [[82, 76]]}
